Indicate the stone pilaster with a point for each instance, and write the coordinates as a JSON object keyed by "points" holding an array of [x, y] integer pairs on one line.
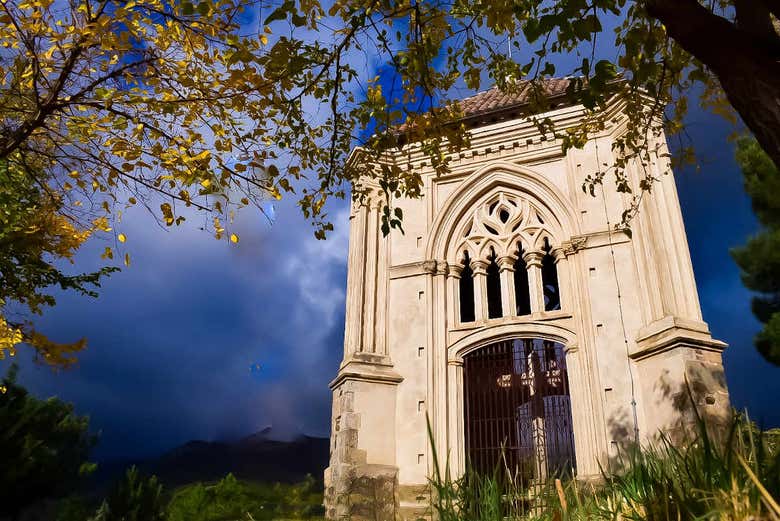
{"points": [[361, 481]]}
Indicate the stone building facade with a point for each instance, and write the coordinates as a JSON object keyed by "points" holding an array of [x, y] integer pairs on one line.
{"points": [[514, 318]]}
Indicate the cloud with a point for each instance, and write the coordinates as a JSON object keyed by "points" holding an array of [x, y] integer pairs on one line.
{"points": [[173, 338]]}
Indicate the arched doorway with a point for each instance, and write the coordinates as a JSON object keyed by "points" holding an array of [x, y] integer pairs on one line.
{"points": [[517, 409]]}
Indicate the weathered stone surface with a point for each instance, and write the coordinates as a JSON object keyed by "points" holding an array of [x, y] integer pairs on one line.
{"points": [[362, 493]]}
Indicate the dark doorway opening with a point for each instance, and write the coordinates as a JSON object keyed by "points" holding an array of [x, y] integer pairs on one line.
{"points": [[518, 411]]}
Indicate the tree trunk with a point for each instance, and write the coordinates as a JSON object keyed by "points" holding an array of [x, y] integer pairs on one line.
{"points": [[748, 69]]}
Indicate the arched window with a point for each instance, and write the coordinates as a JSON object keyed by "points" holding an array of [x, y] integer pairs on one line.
{"points": [[552, 296], [522, 292], [466, 291], [494, 288]]}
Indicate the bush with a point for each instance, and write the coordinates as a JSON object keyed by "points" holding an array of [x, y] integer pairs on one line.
{"points": [[134, 498], [44, 447], [231, 499], [74, 508]]}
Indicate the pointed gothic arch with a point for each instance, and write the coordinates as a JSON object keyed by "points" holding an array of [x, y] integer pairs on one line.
{"points": [[486, 182]]}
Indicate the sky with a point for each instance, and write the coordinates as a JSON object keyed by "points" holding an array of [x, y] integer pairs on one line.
{"points": [[202, 339]]}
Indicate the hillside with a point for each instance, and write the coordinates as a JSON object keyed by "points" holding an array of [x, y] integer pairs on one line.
{"points": [[253, 458]]}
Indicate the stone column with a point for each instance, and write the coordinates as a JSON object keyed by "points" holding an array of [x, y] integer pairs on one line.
{"points": [[589, 422], [439, 348], [533, 262], [380, 302], [356, 267], [586, 447], [457, 447], [370, 281], [564, 282], [453, 294], [506, 266], [676, 239], [479, 269]]}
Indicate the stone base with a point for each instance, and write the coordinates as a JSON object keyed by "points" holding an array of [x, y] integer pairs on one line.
{"points": [[414, 502], [364, 394], [361, 493], [680, 374]]}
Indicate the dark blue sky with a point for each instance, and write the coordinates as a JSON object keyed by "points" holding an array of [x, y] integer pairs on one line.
{"points": [[174, 337]]}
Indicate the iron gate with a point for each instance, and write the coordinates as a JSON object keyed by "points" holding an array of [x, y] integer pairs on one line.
{"points": [[518, 411]]}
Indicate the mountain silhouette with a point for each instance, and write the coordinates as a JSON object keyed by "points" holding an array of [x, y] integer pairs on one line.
{"points": [[253, 458]]}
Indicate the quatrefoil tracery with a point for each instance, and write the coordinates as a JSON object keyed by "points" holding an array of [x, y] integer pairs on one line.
{"points": [[500, 223]]}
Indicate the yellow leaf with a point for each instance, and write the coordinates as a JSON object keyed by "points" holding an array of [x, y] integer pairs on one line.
{"points": [[233, 238], [121, 237], [127, 259], [206, 183], [263, 39]]}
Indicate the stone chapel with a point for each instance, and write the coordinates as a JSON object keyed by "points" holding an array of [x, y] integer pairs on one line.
{"points": [[516, 316]]}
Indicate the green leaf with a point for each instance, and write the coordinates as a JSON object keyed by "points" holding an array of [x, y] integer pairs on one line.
{"points": [[280, 13]]}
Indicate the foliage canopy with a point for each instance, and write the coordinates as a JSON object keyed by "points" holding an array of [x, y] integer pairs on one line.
{"points": [[43, 446], [134, 498], [34, 238], [759, 259], [131, 99]]}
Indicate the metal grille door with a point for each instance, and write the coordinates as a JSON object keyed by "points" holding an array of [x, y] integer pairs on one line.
{"points": [[518, 411]]}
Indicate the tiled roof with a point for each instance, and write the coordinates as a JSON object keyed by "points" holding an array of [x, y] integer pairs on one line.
{"points": [[493, 100], [481, 107]]}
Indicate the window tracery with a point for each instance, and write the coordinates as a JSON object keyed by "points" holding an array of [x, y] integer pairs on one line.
{"points": [[500, 222], [508, 239]]}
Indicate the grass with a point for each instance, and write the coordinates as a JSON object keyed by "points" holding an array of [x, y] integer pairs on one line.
{"points": [[229, 499], [735, 477]]}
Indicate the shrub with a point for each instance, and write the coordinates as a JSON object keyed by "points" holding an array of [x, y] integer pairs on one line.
{"points": [[134, 498], [44, 447], [231, 499]]}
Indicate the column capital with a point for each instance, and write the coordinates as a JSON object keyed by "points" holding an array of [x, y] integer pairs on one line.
{"points": [[507, 262], [455, 271], [479, 267], [558, 254], [533, 258], [434, 267]]}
